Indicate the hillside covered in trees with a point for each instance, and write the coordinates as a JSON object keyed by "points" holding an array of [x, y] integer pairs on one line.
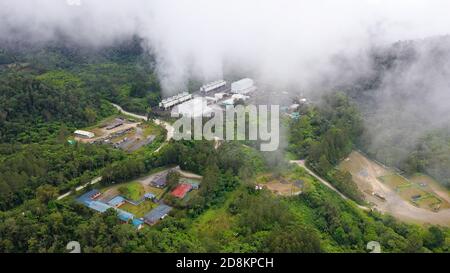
{"points": [[50, 90]]}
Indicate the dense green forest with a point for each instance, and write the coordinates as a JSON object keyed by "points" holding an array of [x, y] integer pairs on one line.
{"points": [[53, 89], [228, 216], [326, 134]]}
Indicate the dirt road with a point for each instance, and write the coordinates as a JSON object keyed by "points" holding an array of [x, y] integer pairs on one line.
{"points": [[166, 125], [302, 164], [394, 204]]}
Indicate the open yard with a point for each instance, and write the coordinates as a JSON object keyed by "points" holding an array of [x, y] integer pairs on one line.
{"points": [[281, 186], [419, 199], [141, 209], [123, 132], [394, 180], [132, 191]]}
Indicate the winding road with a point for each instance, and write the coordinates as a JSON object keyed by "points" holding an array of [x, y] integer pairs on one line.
{"points": [[301, 163], [166, 125]]}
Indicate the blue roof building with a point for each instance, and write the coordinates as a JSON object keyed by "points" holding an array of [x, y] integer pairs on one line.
{"points": [[157, 214], [137, 222], [124, 215], [99, 206], [88, 197], [116, 201]]}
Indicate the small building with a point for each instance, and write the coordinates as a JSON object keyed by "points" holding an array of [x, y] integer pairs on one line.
{"points": [[159, 181], [124, 215], [243, 86], [149, 196], [137, 223], [219, 96], [240, 97], [84, 134], [181, 190], [295, 115], [294, 107], [157, 214], [117, 201], [228, 102]]}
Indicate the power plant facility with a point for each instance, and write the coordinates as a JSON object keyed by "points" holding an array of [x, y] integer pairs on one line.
{"points": [[212, 86], [196, 107], [174, 100], [210, 97], [243, 86]]}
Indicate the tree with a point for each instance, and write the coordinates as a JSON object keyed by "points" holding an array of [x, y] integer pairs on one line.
{"points": [[63, 133], [434, 238], [173, 178], [46, 193], [90, 115]]}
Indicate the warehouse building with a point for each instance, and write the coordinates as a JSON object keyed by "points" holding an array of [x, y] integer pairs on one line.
{"points": [[84, 134], [243, 86], [216, 85], [174, 100], [197, 107]]}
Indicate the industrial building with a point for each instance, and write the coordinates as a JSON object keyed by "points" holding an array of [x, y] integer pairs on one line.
{"points": [[243, 86], [197, 107], [212, 86], [174, 100], [84, 134], [116, 123]]}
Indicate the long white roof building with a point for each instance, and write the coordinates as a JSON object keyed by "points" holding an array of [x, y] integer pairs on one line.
{"points": [[243, 86]]}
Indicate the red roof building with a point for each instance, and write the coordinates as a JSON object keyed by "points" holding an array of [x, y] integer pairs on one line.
{"points": [[181, 190]]}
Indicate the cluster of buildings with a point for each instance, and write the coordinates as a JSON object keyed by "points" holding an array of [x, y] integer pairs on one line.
{"points": [[180, 191], [174, 100], [92, 199], [116, 133], [209, 98]]}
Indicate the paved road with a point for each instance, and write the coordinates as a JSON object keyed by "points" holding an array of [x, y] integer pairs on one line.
{"points": [[166, 125], [92, 182], [326, 183]]}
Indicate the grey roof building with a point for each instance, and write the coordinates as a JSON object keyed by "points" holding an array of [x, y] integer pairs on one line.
{"points": [[157, 214]]}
